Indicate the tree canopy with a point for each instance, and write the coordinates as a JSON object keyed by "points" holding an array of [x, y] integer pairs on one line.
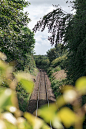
{"points": [[76, 39], [55, 52], [56, 21], [15, 38]]}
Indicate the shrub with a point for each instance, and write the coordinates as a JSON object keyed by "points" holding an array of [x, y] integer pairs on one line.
{"points": [[57, 85], [58, 68], [23, 98], [58, 61]]}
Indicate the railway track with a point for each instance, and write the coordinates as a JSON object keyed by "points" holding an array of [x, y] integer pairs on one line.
{"points": [[42, 97], [42, 93]]}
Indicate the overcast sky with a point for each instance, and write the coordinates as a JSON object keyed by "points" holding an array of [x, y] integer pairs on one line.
{"points": [[37, 10]]}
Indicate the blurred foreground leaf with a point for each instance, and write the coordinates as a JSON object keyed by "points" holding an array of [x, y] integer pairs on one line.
{"points": [[6, 98], [28, 85], [35, 122], [70, 94], [2, 125], [60, 101], [2, 56], [25, 80], [56, 113], [22, 123], [57, 123], [67, 116], [81, 85], [47, 113], [9, 117]]}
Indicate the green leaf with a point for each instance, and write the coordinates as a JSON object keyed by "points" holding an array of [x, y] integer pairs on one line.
{"points": [[9, 117], [25, 80], [22, 123], [27, 85], [34, 121], [70, 93], [57, 123], [60, 101], [45, 126], [6, 98], [2, 125], [47, 113], [67, 116], [81, 85]]}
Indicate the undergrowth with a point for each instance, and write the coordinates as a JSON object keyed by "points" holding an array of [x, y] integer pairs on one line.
{"points": [[23, 99]]}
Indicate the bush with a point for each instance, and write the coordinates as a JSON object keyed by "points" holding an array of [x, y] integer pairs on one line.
{"points": [[23, 102], [30, 65], [59, 61], [23, 98], [58, 68], [57, 86], [50, 71]]}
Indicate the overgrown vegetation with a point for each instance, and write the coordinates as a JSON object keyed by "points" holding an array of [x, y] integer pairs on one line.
{"points": [[56, 52], [75, 36], [42, 61], [17, 42], [59, 61], [53, 62], [12, 117], [71, 32], [23, 98]]}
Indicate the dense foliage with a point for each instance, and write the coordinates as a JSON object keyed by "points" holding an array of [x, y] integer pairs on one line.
{"points": [[26, 48], [55, 52], [69, 30], [17, 41], [23, 98], [76, 42], [12, 117], [59, 61], [56, 21], [30, 65], [42, 61], [15, 38]]}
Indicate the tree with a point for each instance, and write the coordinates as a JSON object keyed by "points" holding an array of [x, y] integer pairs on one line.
{"points": [[52, 54], [76, 39], [56, 21], [12, 19], [15, 39], [26, 47], [55, 52]]}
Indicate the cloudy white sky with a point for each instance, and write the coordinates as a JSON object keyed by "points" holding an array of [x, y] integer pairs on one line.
{"points": [[37, 10]]}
